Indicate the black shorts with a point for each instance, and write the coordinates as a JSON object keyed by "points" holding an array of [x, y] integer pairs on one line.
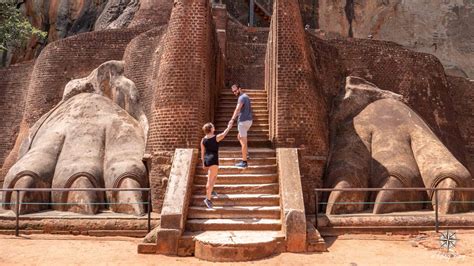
{"points": [[211, 159]]}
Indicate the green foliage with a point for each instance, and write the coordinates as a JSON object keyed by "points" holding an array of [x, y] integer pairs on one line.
{"points": [[15, 29]]}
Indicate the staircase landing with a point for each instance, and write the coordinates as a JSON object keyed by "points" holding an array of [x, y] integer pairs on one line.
{"points": [[232, 246]]}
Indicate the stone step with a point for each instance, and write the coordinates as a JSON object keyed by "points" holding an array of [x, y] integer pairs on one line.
{"points": [[270, 188], [232, 224], [233, 101], [252, 161], [239, 200], [256, 118], [239, 179], [255, 125], [237, 246], [252, 129], [252, 169], [255, 93], [248, 92], [250, 136], [255, 106], [269, 212], [235, 152], [252, 142], [230, 111]]}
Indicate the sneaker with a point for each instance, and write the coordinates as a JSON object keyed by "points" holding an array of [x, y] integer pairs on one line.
{"points": [[208, 203], [214, 194], [242, 164]]}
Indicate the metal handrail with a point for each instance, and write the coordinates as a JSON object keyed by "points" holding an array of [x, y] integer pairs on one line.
{"points": [[18, 190], [435, 190]]}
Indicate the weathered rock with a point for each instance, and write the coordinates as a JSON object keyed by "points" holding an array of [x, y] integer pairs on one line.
{"points": [[91, 139], [64, 18], [442, 28], [117, 14], [378, 141]]}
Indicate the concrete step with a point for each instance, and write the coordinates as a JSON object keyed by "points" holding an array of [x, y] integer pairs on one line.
{"points": [[270, 188], [252, 169], [251, 161], [232, 224], [239, 200], [239, 179], [269, 212], [234, 246]]}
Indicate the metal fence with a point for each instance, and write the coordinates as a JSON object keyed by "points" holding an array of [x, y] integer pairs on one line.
{"points": [[18, 203], [435, 192]]}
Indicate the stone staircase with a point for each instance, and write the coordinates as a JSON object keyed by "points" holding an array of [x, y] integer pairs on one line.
{"points": [[245, 223], [258, 133]]}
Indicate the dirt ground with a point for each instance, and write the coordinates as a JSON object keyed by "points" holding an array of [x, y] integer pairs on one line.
{"points": [[344, 250]]}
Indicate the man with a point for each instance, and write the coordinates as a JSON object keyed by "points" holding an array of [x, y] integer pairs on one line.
{"points": [[244, 112]]}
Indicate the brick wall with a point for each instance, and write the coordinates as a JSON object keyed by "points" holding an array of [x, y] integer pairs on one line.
{"points": [[462, 93], [142, 60], [58, 63], [298, 110], [245, 60], [185, 85], [419, 77], [14, 82]]}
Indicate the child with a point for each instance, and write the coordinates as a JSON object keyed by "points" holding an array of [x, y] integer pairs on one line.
{"points": [[210, 158]]}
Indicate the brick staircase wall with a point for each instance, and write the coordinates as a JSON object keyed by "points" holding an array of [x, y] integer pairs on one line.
{"points": [[298, 110], [187, 76]]}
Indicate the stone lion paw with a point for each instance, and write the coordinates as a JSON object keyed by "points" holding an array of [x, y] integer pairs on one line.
{"points": [[379, 142], [94, 138]]}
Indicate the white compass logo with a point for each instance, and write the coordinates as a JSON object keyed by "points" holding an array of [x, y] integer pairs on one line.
{"points": [[448, 240]]}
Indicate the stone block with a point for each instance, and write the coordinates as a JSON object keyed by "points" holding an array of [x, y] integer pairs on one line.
{"points": [[167, 241], [146, 248], [292, 202]]}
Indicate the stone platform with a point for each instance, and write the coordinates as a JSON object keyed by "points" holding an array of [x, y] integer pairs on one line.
{"points": [[55, 222], [396, 223], [233, 246]]}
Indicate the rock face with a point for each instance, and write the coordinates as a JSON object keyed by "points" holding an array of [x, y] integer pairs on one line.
{"points": [[442, 28], [94, 138], [378, 141], [64, 18]]}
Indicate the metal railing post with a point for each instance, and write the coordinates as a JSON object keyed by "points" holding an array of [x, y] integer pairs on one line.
{"points": [[436, 211], [149, 211], [316, 207], [17, 209]]}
